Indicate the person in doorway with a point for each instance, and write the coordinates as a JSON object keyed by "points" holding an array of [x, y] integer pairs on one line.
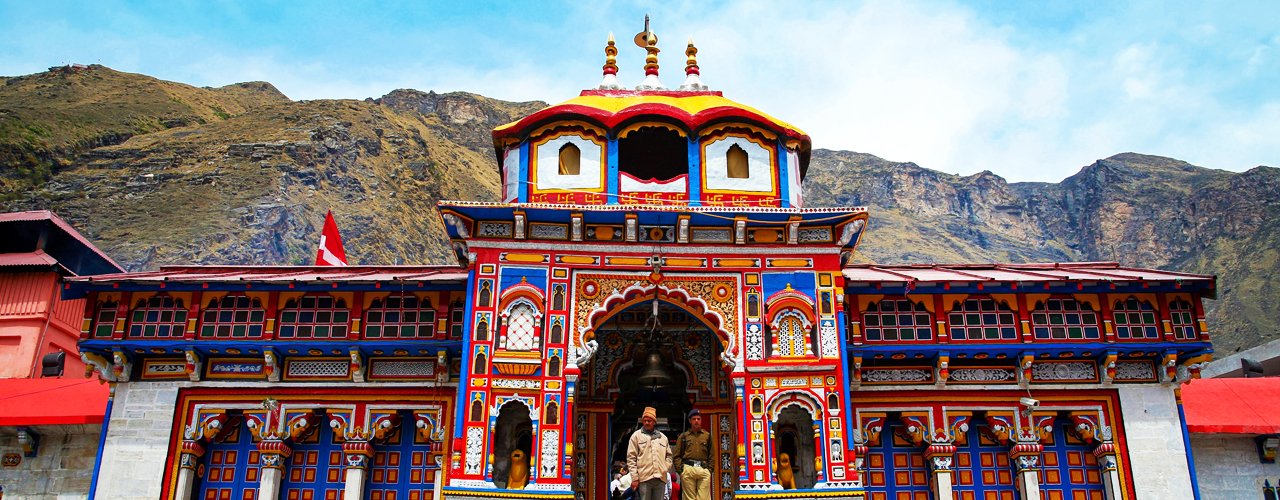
{"points": [[648, 458], [693, 459]]}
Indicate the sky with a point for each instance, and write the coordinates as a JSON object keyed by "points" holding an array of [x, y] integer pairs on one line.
{"points": [[1032, 91]]}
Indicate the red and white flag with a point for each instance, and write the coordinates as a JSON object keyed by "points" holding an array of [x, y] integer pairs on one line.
{"points": [[330, 252]]}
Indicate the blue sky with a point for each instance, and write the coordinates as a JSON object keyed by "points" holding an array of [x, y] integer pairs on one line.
{"points": [[1029, 90]]}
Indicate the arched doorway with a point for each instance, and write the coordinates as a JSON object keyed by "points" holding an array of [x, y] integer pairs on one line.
{"points": [[617, 384]]}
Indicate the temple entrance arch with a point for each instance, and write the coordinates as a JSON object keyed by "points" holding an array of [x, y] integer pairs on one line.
{"points": [[655, 334]]}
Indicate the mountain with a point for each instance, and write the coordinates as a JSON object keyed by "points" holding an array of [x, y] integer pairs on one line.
{"points": [[160, 172]]}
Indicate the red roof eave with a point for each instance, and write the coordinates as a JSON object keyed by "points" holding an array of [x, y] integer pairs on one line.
{"points": [[1232, 405], [611, 119], [52, 401]]}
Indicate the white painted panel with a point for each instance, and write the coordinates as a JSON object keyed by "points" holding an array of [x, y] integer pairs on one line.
{"points": [[511, 170], [759, 161], [1154, 435], [629, 184], [793, 179], [548, 155]]}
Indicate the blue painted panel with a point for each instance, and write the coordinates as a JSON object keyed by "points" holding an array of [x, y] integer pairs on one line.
{"points": [[896, 469], [523, 197], [611, 173], [982, 467], [231, 468], [508, 276], [803, 281], [315, 468], [695, 173], [1068, 468], [784, 189], [401, 468], [464, 372]]}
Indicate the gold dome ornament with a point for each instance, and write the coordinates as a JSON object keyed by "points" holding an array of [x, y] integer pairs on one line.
{"points": [[692, 78], [610, 81]]}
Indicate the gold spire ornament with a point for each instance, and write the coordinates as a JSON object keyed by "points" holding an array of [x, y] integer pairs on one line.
{"points": [[610, 81], [692, 78], [649, 40]]}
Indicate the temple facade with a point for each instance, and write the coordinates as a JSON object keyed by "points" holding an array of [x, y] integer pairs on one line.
{"points": [[651, 248]]}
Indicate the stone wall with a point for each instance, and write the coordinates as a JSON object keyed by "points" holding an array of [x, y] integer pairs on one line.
{"points": [[62, 469], [137, 441], [1227, 466], [1153, 431]]}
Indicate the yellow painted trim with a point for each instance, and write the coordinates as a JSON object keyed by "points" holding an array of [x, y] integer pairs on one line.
{"points": [[577, 259], [533, 166], [622, 134], [627, 261], [691, 104], [526, 258], [789, 262], [736, 263]]}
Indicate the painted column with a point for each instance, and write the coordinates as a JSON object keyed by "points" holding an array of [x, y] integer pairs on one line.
{"points": [[272, 454], [190, 457], [1105, 452], [357, 454], [1025, 456], [940, 456]]}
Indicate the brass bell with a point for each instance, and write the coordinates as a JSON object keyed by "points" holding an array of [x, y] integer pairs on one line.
{"points": [[654, 375]]}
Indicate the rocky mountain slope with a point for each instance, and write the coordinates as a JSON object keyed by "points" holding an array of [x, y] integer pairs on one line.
{"points": [[159, 172]]}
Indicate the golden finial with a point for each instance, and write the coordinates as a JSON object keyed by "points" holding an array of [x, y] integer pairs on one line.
{"points": [[691, 64], [651, 60], [649, 40], [610, 57]]}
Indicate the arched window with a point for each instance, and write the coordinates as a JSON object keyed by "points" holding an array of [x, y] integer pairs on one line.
{"points": [[159, 317], [400, 316], [1135, 320], [233, 317], [896, 319], [521, 328], [833, 402], [982, 319], [570, 159], [314, 317], [1183, 320], [1064, 319], [557, 298], [557, 331], [486, 293], [552, 414], [477, 411], [481, 365], [553, 367], [482, 328], [753, 305], [791, 334], [104, 319], [736, 158]]}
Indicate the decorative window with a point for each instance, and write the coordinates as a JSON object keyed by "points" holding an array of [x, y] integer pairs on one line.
{"points": [[896, 319], [104, 319], [520, 333], [1064, 319], [552, 414], [896, 467], [480, 367], [557, 298], [833, 403], [557, 330], [315, 467], [482, 327], [753, 305], [401, 466], [736, 159], [457, 312], [486, 293], [1183, 319], [233, 317], [553, 367], [400, 316], [982, 319], [1135, 319], [570, 159], [314, 317], [982, 468], [477, 411], [791, 334], [159, 317]]}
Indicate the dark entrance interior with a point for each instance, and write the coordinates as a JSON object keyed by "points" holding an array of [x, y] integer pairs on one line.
{"points": [[653, 153]]}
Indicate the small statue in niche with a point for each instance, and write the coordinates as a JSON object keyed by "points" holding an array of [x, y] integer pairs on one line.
{"points": [[518, 470], [786, 476]]}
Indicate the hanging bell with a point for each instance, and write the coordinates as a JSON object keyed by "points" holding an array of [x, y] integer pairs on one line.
{"points": [[654, 375]]}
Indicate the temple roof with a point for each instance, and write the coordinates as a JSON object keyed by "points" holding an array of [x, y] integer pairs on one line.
{"points": [[41, 239], [269, 277], [1233, 405], [912, 275]]}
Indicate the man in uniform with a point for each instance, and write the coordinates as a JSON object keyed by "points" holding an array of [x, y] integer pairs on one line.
{"points": [[693, 456], [649, 458]]}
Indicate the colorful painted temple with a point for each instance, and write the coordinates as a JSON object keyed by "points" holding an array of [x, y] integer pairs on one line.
{"points": [[650, 249]]}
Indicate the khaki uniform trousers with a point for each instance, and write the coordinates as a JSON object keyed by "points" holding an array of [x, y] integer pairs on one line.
{"points": [[696, 483]]}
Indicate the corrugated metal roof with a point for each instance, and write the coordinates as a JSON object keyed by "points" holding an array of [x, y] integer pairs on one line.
{"points": [[1233, 405], [1038, 272], [283, 274], [37, 215], [36, 258]]}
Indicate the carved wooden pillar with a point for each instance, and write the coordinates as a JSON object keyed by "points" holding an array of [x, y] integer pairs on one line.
{"points": [[1025, 456], [189, 459], [940, 455], [357, 454], [1105, 452], [272, 455]]}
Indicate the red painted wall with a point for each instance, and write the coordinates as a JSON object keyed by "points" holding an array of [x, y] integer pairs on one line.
{"points": [[34, 321]]}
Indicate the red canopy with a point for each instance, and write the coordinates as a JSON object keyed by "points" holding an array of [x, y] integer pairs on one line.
{"points": [[1233, 405], [52, 401]]}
